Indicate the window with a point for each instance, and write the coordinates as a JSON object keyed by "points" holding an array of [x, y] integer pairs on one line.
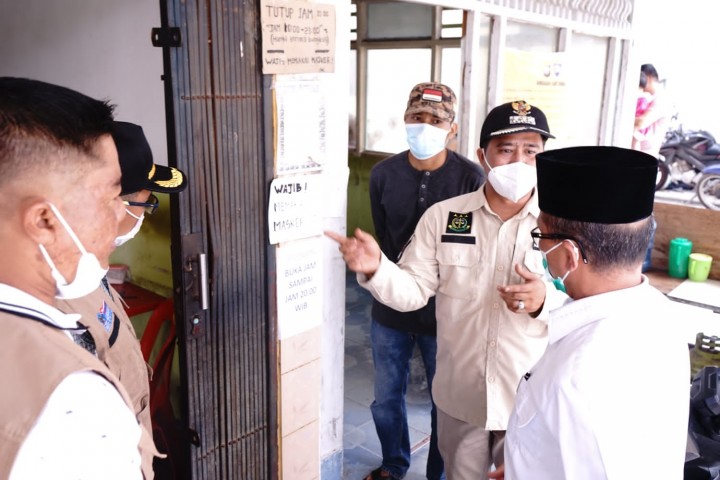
{"points": [[395, 20], [531, 38], [391, 75], [397, 45]]}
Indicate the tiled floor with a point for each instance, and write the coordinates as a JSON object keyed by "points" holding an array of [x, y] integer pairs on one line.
{"points": [[361, 445]]}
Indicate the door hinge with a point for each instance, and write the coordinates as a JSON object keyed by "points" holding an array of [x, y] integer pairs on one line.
{"points": [[166, 37]]}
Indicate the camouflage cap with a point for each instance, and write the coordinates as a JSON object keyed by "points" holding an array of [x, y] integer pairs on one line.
{"points": [[433, 98]]}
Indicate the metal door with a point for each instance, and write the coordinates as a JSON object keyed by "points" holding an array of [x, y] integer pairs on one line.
{"points": [[216, 124]]}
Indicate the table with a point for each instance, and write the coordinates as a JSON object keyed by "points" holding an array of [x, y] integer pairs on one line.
{"points": [[700, 294], [696, 304]]}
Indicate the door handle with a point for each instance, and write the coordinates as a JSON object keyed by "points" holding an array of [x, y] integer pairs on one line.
{"points": [[202, 260]]}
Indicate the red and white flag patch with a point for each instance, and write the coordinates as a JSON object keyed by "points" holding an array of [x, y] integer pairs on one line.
{"points": [[432, 95]]}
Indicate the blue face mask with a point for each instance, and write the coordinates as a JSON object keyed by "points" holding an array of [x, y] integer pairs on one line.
{"points": [[559, 282], [425, 141]]}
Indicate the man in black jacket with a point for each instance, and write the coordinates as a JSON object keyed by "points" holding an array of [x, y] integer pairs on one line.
{"points": [[402, 187]]}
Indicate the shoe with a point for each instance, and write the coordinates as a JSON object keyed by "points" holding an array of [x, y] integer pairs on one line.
{"points": [[379, 474]]}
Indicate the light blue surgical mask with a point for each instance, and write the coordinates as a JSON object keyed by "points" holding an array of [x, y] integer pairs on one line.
{"points": [[559, 282], [425, 141]]}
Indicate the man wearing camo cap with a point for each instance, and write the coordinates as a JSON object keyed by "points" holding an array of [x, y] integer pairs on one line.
{"points": [[473, 253], [402, 187]]}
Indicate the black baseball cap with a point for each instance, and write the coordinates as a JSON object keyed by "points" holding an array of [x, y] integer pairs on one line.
{"points": [[514, 117], [139, 172]]}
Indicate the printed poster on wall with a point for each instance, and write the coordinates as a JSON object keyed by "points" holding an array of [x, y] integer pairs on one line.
{"points": [[297, 37], [299, 282], [300, 126], [294, 208], [541, 79]]}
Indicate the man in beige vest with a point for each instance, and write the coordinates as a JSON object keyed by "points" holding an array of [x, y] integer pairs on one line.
{"points": [[63, 414], [103, 311], [473, 253]]}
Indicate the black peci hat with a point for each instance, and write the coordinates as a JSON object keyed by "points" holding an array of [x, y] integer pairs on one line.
{"points": [[514, 117], [139, 172], [608, 185]]}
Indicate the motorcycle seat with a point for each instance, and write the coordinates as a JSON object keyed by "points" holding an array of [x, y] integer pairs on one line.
{"points": [[714, 149]]}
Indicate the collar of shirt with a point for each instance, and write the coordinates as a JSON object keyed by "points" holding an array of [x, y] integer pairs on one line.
{"points": [[21, 302], [578, 313]]}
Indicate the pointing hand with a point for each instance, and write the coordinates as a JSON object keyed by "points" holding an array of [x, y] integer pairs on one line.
{"points": [[361, 252]]}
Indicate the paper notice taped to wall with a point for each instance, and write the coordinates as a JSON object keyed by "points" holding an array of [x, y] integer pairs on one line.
{"points": [[297, 37]]}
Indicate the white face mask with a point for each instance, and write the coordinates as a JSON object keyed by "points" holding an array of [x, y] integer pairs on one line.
{"points": [[131, 234], [89, 272], [513, 180], [425, 140]]}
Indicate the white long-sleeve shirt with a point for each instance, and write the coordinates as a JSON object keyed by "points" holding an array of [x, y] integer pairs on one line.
{"points": [[609, 399]]}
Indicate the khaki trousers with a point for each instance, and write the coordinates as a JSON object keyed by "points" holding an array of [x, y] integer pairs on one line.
{"points": [[468, 450]]}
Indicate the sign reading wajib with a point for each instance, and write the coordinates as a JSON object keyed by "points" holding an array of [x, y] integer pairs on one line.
{"points": [[297, 37], [294, 208]]}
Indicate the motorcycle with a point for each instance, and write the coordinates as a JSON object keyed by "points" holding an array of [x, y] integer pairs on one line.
{"points": [[708, 187], [683, 158], [702, 455]]}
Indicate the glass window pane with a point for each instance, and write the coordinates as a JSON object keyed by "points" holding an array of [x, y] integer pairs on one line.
{"points": [[353, 22], [451, 32], [452, 21], [452, 16], [399, 20], [585, 86], [531, 38], [391, 74]]}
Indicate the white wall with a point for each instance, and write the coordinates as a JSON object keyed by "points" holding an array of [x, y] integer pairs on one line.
{"points": [[99, 47]]}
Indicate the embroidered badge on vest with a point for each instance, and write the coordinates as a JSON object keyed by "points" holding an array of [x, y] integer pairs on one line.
{"points": [[459, 223], [105, 316]]}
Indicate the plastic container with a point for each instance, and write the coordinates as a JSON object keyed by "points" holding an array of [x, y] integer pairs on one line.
{"points": [[699, 266], [680, 249]]}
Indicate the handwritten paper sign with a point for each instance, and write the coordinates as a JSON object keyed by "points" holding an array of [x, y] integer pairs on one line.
{"points": [[297, 37], [299, 286], [294, 208]]}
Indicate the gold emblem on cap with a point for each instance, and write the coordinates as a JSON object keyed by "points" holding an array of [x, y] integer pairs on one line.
{"points": [[521, 107], [173, 182], [152, 172]]}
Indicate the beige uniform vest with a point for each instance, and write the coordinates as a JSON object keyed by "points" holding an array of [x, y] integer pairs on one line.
{"points": [[118, 348], [41, 357]]}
